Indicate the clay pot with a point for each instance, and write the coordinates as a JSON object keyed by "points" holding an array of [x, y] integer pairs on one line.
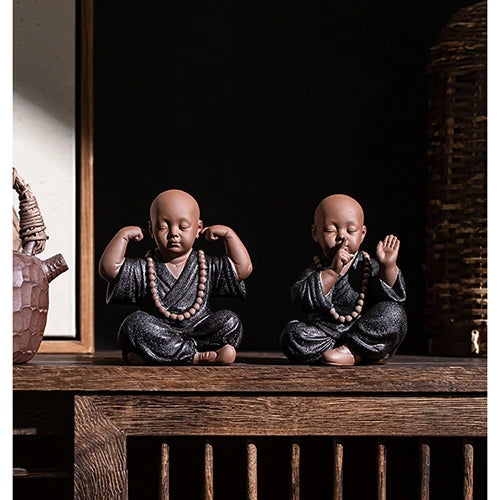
{"points": [[31, 301], [31, 276]]}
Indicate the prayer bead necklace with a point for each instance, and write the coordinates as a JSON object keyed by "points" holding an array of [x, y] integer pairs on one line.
{"points": [[361, 299], [202, 279]]}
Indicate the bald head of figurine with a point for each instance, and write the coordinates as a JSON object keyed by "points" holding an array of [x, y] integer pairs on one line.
{"points": [[338, 218], [174, 222]]}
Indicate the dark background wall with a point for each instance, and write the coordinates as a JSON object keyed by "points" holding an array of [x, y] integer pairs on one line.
{"points": [[259, 111]]}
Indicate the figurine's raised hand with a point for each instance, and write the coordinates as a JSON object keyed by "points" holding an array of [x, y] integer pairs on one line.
{"points": [[235, 249], [341, 258], [213, 233], [132, 233], [114, 254], [387, 255], [387, 251]]}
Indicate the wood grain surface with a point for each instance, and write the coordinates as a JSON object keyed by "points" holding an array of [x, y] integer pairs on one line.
{"points": [[381, 469], [100, 454], [338, 469], [468, 451], [251, 470], [284, 415], [208, 486], [164, 485], [267, 399], [252, 372], [425, 469], [294, 492]]}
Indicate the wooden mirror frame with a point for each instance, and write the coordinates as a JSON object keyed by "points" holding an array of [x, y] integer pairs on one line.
{"points": [[84, 95]]}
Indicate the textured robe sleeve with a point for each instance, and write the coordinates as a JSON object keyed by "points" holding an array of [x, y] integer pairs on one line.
{"points": [[129, 286], [308, 294], [382, 291], [225, 280]]}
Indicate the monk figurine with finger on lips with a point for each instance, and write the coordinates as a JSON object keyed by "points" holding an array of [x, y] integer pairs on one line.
{"points": [[172, 286], [353, 303]]}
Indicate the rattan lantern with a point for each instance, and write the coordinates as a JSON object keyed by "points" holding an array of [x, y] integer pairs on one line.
{"points": [[456, 243]]}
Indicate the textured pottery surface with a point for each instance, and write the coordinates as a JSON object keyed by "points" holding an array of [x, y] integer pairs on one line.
{"points": [[30, 289]]}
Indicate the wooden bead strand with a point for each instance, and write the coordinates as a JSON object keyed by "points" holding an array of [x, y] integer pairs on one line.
{"points": [[361, 299], [202, 279]]}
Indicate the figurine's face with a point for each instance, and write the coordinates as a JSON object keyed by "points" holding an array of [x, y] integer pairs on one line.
{"points": [[336, 219], [174, 222]]}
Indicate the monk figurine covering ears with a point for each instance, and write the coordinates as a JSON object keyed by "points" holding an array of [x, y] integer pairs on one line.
{"points": [[172, 287]]}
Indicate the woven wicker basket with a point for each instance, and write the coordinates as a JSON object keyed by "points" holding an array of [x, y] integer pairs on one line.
{"points": [[456, 253]]}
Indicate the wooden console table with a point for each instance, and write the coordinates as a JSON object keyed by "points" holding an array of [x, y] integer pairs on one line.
{"points": [[261, 395]]}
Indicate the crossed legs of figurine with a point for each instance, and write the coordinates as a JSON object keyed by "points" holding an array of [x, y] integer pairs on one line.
{"points": [[373, 338], [147, 339]]}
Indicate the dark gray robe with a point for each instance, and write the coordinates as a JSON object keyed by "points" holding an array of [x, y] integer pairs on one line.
{"points": [[159, 340], [374, 335]]}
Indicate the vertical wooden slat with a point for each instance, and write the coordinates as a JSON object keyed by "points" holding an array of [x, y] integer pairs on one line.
{"points": [[251, 470], [86, 205], [295, 470], [338, 468], [381, 469], [425, 469], [468, 450], [209, 471], [165, 472]]}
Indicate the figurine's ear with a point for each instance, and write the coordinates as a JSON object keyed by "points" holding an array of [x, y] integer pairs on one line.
{"points": [[314, 233], [200, 227], [363, 233], [150, 229]]}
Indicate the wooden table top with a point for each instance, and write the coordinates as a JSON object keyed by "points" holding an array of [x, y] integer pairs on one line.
{"points": [[252, 372]]}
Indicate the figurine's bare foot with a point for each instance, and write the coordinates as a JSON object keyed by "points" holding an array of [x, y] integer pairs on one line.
{"points": [[134, 359], [340, 356], [223, 356]]}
